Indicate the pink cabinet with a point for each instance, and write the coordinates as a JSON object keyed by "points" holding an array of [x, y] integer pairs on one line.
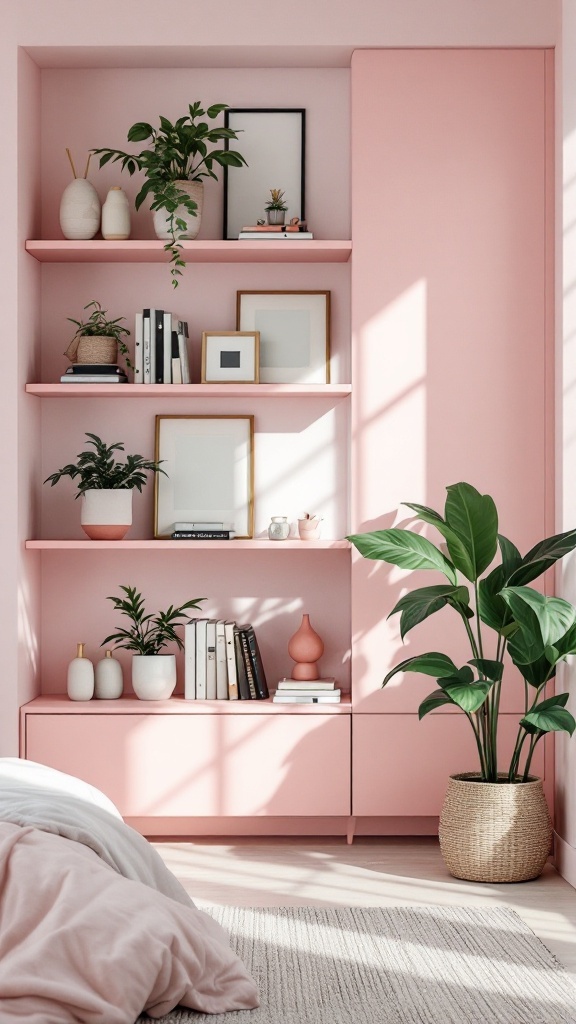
{"points": [[186, 765], [400, 766]]}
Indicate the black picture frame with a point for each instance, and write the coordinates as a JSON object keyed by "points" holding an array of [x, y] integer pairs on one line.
{"points": [[273, 141]]}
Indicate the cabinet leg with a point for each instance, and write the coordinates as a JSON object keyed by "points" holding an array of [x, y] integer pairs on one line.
{"points": [[350, 830]]}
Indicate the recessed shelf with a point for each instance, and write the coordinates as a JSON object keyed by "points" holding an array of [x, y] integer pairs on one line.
{"points": [[210, 251], [60, 704], [189, 390], [179, 545]]}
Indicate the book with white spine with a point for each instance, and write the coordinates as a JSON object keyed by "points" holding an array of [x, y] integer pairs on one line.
{"points": [[307, 684], [211, 659], [190, 659], [221, 662], [201, 658]]}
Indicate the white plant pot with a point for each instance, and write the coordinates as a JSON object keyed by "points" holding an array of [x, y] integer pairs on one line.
{"points": [[79, 210], [309, 529], [154, 676], [194, 189], [106, 514]]}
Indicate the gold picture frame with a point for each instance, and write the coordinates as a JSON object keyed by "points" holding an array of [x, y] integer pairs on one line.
{"points": [[294, 328], [208, 464], [230, 357]]}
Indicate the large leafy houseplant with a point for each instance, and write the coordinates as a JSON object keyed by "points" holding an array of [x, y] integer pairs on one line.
{"points": [[97, 468], [501, 615], [176, 152], [148, 634]]}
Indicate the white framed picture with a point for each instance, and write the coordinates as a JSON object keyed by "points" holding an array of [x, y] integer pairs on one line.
{"points": [[208, 464], [294, 329], [230, 357]]}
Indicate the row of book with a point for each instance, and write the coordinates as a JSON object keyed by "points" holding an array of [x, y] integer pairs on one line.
{"points": [[222, 661], [314, 691], [160, 348]]}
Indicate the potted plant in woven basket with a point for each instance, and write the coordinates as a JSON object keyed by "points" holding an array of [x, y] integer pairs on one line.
{"points": [[153, 672], [494, 825], [105, 486], [176, 159], [98, 339]]}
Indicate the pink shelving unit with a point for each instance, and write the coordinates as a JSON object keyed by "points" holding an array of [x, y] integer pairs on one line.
{"points": [[212, 251]]}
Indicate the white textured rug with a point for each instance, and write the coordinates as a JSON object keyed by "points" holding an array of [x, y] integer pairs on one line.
{"points": [[398, 965]]}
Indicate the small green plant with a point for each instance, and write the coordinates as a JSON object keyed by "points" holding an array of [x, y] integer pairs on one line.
{"points": [[176, 152], [99, 326], [148, 634], [98, 469], [276, 201], [535, 632]]}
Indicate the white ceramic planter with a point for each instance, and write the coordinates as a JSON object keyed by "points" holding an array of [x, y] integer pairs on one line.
{"points": [[194, 189], [154, 676], [106, 514], [309, 529], [79, 210]]}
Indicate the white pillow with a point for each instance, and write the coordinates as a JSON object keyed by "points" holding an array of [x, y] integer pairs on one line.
{"points": [[17, 769]]}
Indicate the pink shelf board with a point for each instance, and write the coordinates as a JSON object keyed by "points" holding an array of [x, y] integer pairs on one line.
{"points": [[190, 390], [179, 545], [212, 251], [60, 704]]}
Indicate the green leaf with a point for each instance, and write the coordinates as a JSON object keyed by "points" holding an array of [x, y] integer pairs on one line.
{"points": [[492, 609], [491, 669], [536, 672], [419, 604], [430, 664], [468, 696], [434, 700], [542, 556], [403, 548], [542, 621], [427, 515], [140, 131], [549, 716], [457, 548], [474, 519]]}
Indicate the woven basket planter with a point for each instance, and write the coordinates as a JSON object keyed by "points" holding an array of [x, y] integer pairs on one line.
{"points": [[494, 832]]}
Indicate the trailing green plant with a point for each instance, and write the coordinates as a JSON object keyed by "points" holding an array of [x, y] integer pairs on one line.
{"points": [[98, 325], [148, 634], [536, 632], [276, 201], [176, 152], [98, 469]]}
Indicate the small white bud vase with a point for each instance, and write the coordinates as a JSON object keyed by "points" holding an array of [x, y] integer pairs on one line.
{"points": [[108, 678], [116, 215], [79, 210], [80, 678]]}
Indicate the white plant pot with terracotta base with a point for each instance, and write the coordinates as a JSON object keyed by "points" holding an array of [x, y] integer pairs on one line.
{"points": [[106, 514], [495, 832], [154, 676], [195, 190]]}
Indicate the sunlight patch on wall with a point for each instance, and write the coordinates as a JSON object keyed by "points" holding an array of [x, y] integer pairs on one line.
{"points": [[392, 455]]}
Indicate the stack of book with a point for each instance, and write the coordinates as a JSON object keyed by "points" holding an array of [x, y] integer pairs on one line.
{"points": [[222, 661], [316, 691], [274, 231], [160, 348], [203, 531], [94, 373]]}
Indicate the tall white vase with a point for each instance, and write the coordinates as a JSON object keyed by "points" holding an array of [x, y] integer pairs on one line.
{"points": [[79, 210], [106, 514], [195, 190], [80, 677], [108, 678], [116, 215]]}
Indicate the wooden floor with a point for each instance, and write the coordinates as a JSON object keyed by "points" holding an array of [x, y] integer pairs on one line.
{"points": [[372, 872]]}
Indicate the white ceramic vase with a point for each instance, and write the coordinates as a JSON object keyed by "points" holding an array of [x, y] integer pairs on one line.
{"points": [[116, 215], [108, 679], [79, 210], [80, 677], [106, 514], [195, 190], [154, 676]]}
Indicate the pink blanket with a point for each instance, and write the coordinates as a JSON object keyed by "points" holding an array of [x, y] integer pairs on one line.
{"points": [[79, 942]]}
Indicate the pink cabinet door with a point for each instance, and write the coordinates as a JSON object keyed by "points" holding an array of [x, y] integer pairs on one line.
{"points": [[400, 765], [182, 765]]}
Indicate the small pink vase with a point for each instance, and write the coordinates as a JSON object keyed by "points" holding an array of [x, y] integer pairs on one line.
{"points": [[305, 647]]}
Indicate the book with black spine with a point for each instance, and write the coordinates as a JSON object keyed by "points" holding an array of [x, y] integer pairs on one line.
{"points": [[243, 685], [250, 673], [183, 351], [176, 364], [158, 377], [105, 369], [257, 666], [201, 535]]}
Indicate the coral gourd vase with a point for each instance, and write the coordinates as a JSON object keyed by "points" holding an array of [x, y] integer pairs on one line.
{"points": [[305, 647]]}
